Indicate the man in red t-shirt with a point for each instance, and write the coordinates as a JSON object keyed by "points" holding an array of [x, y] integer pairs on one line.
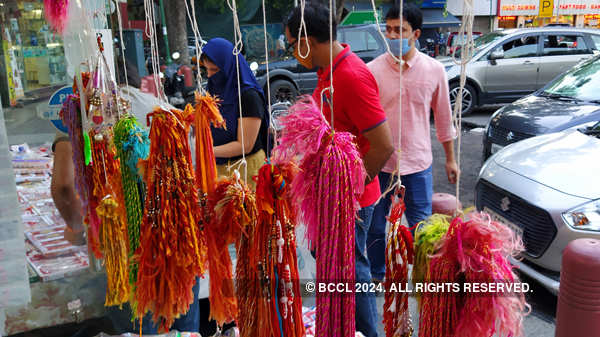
{"points": [[356, 109]]}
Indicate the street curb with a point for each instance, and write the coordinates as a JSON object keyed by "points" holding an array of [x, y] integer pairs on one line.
{"points": [[471, 125]]}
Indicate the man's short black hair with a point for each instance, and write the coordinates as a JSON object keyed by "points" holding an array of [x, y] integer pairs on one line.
{"points": [[411, 13], [316, 17]]}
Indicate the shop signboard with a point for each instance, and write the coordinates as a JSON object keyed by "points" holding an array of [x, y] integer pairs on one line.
{"points": [[541, 8], [13, 77], [51, 111]]}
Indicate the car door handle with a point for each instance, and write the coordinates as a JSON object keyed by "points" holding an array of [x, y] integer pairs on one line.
{"points": [[527, 62]]}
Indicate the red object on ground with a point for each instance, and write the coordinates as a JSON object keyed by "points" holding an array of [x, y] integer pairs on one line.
{"points": [[148, 85], [188, 75], [578, 313], [443, 203]]}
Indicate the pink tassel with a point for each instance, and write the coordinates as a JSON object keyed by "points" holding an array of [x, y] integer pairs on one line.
{"points": [[327, 191], [478, 252], [56, 13]]}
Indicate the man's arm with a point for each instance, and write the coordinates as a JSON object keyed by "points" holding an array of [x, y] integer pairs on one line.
{"points": [[380, 150], [442, 115], [451, 167], [63, 192]]}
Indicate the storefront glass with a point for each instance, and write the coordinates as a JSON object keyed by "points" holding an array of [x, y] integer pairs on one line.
{"points": [[30, 46], [592, 21], [535, 21]]}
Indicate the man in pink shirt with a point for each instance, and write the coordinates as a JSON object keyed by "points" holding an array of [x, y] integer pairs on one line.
{"points": [[424, 88]]}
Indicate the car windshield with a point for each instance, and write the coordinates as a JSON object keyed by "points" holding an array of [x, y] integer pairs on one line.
{"points": [[483, 41], [579, 83]]}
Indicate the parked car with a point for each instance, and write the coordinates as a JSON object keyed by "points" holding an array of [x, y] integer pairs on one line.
{"points": [[547, 189], [455, 42], [510, 64], [287, 78], [571, 100]]}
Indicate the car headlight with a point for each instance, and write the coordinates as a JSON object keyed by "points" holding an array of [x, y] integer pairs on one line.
{"points": [[585, 217]]}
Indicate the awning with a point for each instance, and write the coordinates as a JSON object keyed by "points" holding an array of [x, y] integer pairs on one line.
{"points": [[434, 18]]}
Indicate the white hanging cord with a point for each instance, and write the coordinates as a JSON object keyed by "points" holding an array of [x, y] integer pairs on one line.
{"points": [[466, 55], [387, 45], [151, 33], [122, 43], [301, 30], [237, 49], [269, 110], [198, 43], [393, 185]]}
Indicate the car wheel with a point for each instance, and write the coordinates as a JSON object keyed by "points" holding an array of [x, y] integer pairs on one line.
{"points": [[469, 97], [282, 91]]}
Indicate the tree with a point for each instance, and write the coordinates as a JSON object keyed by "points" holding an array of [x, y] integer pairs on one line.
{"points": [[176, 17]]}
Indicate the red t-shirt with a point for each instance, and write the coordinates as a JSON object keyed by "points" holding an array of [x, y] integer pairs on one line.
{"points": [[356, 105]]}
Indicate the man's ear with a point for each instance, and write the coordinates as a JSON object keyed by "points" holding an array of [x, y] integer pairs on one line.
{"points": [[417, 34]]}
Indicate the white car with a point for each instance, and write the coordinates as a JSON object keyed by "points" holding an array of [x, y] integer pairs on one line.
{"points": [[548, 189]]}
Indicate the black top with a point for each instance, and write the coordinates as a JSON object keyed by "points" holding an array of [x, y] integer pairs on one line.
{"points": [[253, 105]]}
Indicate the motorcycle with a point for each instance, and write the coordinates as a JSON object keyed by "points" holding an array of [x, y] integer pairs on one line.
{"points": [[178, 83]]}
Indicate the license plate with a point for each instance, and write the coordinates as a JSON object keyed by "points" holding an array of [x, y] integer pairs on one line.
{"points": [[496, 148], [499, 218]]}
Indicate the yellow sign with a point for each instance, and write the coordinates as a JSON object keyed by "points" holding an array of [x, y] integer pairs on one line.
{"points": [[546, 8]]}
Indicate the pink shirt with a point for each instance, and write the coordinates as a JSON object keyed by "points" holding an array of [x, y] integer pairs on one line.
{"points": [[424, 87]]}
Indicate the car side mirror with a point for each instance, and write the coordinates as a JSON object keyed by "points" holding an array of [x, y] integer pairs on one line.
{"points": [[497, 54]]}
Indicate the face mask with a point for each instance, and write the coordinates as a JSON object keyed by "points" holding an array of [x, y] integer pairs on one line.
{"points": [[305, 62], [216, 83], [395, 46]]}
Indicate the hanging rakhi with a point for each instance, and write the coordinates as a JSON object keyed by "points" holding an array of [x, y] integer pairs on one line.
{"points": [[132, 145], [233, 216], [172, 252], [474, 251], [71, 116], [107, 193], [399, 254], [327, 191], [204, 114], [279, 307], [56, 13]]}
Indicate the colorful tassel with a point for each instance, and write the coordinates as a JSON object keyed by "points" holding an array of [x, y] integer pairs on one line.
{"points": [[279, 308], [132, 145], [172, 251], [326, 192], [57, 13], [474, 251], [399, 254]]}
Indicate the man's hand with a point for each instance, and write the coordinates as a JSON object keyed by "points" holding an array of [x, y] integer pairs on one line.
{"points": [[452, 171], [380, 150]]}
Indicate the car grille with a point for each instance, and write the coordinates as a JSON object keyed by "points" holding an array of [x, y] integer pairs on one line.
{"points": [[538, 227], [500, 135]]}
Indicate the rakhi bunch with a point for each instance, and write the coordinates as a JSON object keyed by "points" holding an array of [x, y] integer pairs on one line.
{"points": [[473, 251], [172, 251], [273, 306], [326, 191], [398, 255]]}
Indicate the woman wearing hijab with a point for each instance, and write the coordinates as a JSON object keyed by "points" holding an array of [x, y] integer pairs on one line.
{"points": [[246, 130]]}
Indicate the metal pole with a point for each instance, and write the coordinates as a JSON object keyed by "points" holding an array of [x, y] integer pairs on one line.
{"points": [[164, 31], [557, 11]]}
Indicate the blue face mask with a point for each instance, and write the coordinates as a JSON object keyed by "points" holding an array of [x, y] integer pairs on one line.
{"points": [[395, 46], [216, 83]]}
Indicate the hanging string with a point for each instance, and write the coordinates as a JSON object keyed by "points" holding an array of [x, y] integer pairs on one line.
{"points": [[466, 55], [237, 49], [393, 185], [269, 110], [301, 30], [154, 55], [198, 43], [122, 43]]}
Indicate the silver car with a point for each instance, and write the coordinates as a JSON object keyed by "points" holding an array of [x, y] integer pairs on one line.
{"points": [[547, 189], [510, 64]]}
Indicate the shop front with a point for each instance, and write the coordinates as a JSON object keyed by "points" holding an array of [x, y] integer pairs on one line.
{"points": [[33, 55], [528, 13]]}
